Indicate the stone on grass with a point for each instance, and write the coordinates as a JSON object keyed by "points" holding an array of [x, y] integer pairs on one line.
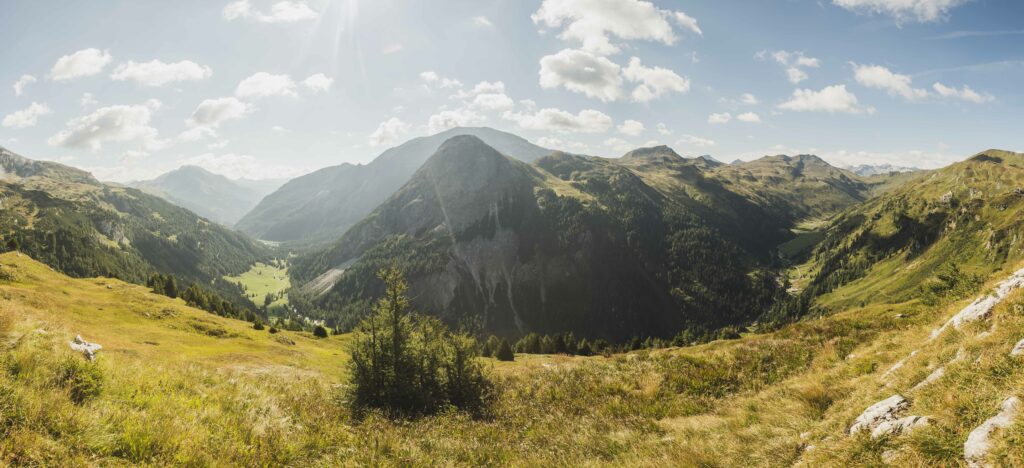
{"points": [[87, 349], [979, 440], [900, 426], [888, 409]]}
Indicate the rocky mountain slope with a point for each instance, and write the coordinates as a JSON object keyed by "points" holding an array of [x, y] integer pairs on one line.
{"points": [[65, 218], [650, 243], [210, 195], [321, 206]]}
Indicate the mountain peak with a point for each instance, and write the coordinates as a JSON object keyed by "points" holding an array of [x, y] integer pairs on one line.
{"points": [[653, 152]]}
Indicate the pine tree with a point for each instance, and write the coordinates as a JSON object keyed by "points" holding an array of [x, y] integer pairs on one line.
{"points": [[504, 352]]}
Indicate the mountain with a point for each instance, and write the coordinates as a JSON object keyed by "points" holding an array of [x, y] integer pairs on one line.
{"points": [[210, 195], [639, 245], [868, 170], [321, 206], [67, 219], [968, 215]]}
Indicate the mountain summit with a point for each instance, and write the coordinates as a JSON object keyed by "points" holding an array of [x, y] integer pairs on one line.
{"points": [[210, 195]]}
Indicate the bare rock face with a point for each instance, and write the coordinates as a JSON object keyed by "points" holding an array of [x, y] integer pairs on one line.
{"points": [[900, 426], [87, 349], [935, 375], [886, 410], [1018, 349], [979, 441], [983, 305]]}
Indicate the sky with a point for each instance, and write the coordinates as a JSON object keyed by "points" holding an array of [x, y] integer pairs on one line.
{"points": [[277, 88]]}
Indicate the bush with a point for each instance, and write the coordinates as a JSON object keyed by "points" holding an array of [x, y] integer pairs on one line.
{"points": [[273, 330], [257, 325], [83, 379], [406, 364], [320, 332], [504, 352]]}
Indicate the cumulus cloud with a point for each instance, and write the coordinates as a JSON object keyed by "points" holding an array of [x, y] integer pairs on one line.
{"points": [[27, 117], [111, 124], [631, 128], [924, 11], [280, 12], [25, 80], [663, 129], [264, 84], [559, 144], [318, 83], [434, 79], [720, 118], [560, 121], [879, 77], [482, 22], [749, 117], [157, 73], [749, 99], [87, 100], [831, 99], [582, 72], [695, 141], [492, 102], [451, 118], [210, 113], [389, 132], [653, 81], [593, 23], [965, 93], [795, 63], [86, 62]]}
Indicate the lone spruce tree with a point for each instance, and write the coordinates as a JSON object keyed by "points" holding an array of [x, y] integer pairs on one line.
{"points": [[405, 364]]}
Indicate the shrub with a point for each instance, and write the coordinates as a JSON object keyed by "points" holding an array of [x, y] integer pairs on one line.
{"points": [[273, 330], [83, 379], [490, 346], [320, 332], [406, 364], [504, 352], [257, 325]]}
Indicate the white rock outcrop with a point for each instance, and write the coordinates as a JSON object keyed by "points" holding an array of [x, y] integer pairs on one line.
{"points": [[1018, 349], [886, 410], [900, 426], [982, 306], [979, 440], [899, 364], [87, 349], [936, 375]]}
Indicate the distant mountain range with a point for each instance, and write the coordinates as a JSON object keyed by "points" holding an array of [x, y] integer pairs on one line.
{"points": [[868, 170], [321, 206], [210, 195], [648, 243]]}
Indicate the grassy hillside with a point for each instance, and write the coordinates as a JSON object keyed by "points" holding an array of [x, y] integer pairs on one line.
{"points": [[180, 386], [263, 279]]}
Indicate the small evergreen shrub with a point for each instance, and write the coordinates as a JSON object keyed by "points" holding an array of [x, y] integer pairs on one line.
{"points": [[320, 332], [83, 379]]}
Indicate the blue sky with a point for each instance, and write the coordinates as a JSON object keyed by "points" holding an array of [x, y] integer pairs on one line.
{"points": [[272, 88]]}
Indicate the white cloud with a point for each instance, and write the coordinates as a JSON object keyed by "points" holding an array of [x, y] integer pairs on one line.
{"points": [[558, 144], [663, 129], [924, 11], [156, 73], [618, 144], [631, 128], [749, 99], [280, 12], [389, 132], [695, 141], [208, 116], [461, 117], [832, 99], [441, 82], [86, 62], [218, 144], [492, 102], [236, 166], [87, 100], [264, 84], [27, 117], [483, 87], [318, 83], [965, 93], [749, 117], [879, 77], [131, 156], [560, 121], [482, 22], [25, 80], [111, 124], [795, 63], [721, 118], [654, 82], [593, 23], [582, 72]]}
